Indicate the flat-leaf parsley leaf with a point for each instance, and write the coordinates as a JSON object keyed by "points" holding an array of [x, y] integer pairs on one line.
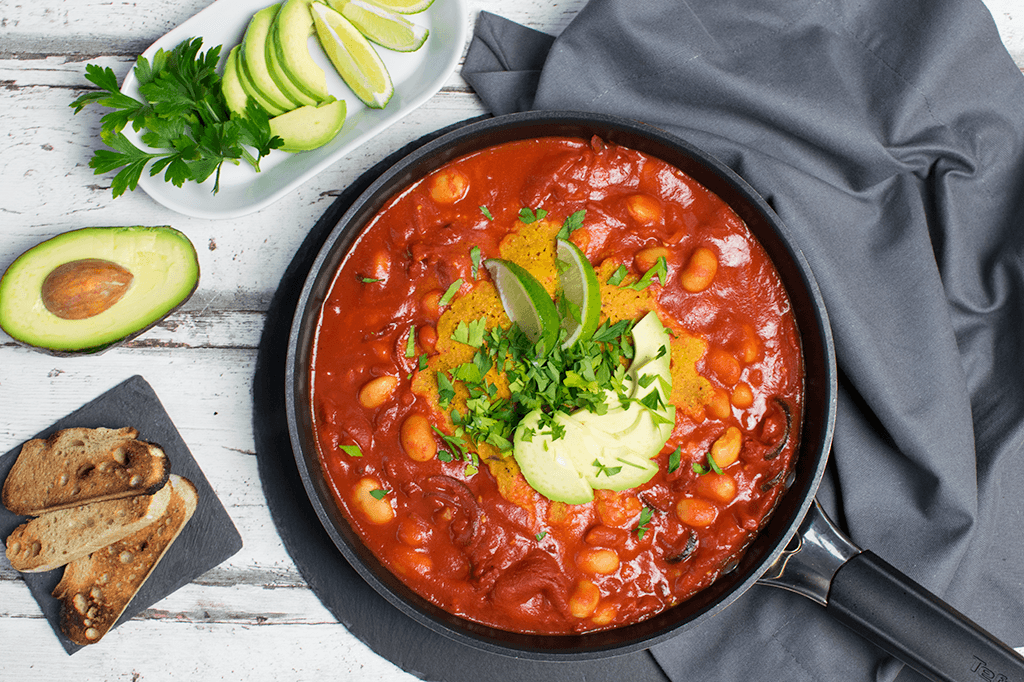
{"points": [[183, 117]]}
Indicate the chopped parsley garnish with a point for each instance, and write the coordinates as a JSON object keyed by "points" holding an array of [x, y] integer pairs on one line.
{"points": [[619, 275], [470, 333], [659, 270], [712, 466], [475, 257], [571, 224], [487, 212], [379, 494], [529, 215], [410, 343], [606, 470], [456, 450], [368, 280], [642, 525], [450, 292], [562, 380], [675, 459], [351, 450], [541, 535]]}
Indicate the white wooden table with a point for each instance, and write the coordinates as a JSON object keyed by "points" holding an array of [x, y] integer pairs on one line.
{"points": [[252, 617]]}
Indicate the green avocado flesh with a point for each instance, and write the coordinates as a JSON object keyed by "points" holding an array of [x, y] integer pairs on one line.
{"points": [[290, 34], [253, 59], [164, 269], [309, 127], [611, 451]]}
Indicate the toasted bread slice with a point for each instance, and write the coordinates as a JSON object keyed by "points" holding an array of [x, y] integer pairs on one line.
{"points": [[56, 538], [96, 589], [78, 465]]}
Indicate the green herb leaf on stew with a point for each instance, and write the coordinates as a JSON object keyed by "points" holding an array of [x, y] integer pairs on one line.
{"points": [[541, 535], [712, 466], [571, 224], [450, 292], [410, 343], [486, 212], [674, 460], [368, 280], [379, 494], [475, 257], [351, 450], [642, 525], [470, 333], [659, 270], [529, 215], [619, 275]]}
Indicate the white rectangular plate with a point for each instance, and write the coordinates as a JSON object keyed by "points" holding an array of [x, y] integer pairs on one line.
{"points": [[417, 76]]}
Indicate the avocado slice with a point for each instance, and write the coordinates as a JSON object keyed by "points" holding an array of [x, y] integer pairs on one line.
{"points": [[250, 88], [610, 451], [253, 59], [277, 72], [309, 127], [290, 35], [231, 86], [86, 290], [547, 465]]}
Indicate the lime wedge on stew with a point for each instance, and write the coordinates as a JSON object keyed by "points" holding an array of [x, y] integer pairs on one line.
{"points": [[526, 302], [353, 56], [404, 6], [581, 294], [383, 27]]}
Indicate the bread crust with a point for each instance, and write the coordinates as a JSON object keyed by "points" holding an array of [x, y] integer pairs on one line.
{"points": [[95, 590], [56, 538], [80, 465]]}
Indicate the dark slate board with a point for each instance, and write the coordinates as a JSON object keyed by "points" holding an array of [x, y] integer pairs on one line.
{"points": [[367, 615], [208, 539]]}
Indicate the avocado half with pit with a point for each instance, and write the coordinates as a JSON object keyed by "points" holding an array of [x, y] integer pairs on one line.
{"points": [[87, 290]]}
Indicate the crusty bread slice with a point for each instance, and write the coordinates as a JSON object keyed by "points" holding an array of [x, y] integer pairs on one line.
{"points": [[79, 465], [56, 538], [96, 589]]}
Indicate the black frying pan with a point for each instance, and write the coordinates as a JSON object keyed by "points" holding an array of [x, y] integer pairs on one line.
{"points": [[799, 549]]}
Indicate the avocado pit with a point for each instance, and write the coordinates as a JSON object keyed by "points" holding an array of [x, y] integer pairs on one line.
{"points": [[85, 288]]}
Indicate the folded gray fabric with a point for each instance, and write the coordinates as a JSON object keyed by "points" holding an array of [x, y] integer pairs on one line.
{"points": [[890, 138], [505, 60]]}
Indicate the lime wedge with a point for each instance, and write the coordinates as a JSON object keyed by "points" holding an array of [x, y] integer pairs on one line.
{"points": [[384, 27], [353, 56], [404, 6], [581, 294], [525, 301]]}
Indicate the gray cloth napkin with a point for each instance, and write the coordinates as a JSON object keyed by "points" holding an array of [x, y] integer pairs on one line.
{"points": [[889, 136]]}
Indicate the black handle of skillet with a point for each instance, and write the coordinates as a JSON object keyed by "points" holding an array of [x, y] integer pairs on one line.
{"points": [[888, 608], [876, 601]]}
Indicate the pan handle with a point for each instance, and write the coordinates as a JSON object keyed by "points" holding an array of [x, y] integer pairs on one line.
{"points": [[887, 608]]}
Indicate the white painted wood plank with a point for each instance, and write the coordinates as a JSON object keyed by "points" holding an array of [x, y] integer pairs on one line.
{"points": [[97, 27], [253, 616], [171, 650]]}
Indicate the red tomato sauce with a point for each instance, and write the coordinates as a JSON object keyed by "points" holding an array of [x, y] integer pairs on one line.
{"points": [[487, 547]]}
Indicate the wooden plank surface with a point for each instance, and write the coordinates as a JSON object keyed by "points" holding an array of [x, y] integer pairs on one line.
{"points": [[253, 617]]}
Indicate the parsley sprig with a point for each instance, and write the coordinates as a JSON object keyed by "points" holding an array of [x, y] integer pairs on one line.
{"points": [[183, 114], [561, 380]]}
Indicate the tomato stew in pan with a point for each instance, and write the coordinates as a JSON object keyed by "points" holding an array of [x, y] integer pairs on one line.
{"points": [[452, 516]]}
